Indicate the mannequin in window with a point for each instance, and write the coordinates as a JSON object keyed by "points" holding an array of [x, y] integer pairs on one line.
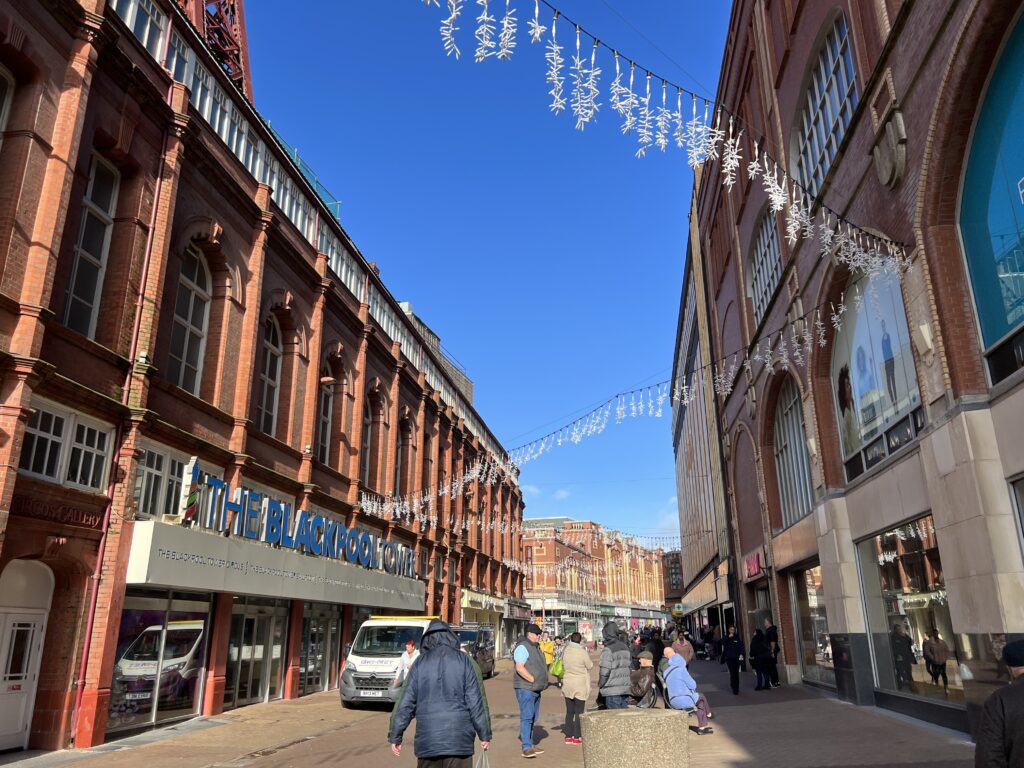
{"points": [[847, 416], [890, 366]]}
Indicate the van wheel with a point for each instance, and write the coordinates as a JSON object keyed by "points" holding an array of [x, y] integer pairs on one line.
{"points": [[347, 704]]}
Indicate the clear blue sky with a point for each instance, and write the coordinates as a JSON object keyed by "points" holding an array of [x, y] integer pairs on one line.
{"points": [[550, 261]]}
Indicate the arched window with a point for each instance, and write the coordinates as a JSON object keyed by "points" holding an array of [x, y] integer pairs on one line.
{"points": [[191, 313], [6, 97], [82, 303], [828, 108], [765, 265], [403, 458], [369, 459], [792, 464], [270, 377], [992, 212], [324, 415], [873, 374]]}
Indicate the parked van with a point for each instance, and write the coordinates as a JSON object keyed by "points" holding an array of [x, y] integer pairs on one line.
{"points": [[371, 661]]}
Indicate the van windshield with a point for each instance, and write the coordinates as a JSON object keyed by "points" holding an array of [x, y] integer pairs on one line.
{"points": [[467, 635], [385, 641]]}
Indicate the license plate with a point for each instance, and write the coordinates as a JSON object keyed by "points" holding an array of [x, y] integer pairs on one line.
{"points": [[373, 694], [137, 696]]}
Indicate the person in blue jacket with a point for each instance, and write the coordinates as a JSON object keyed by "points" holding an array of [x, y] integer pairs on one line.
{"points": [[681, 691], [444, 692]]}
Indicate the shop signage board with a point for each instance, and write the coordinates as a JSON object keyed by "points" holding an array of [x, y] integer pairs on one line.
{"points": [[173, 556], [57, 512], [753, 564], [252, 515]]}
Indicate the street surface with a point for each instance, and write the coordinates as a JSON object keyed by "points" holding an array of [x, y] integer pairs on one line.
{"points": [[791, 727]]}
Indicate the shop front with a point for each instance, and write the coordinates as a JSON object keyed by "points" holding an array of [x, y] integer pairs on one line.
{"points": [[758, 591], [481, 608], [921, 664], [814, 646], [215, 621], [513, 623]]}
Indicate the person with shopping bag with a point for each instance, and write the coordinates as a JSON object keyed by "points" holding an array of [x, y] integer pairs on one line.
{"points": [[444, 691]]}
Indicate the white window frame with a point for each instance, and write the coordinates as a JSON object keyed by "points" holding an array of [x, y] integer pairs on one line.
{"points": [[195, 292], [107, 217], [765, 265], [202, 91], [179, 50], [72, 420], [821, 128], [324, 415], [792, 462], [165, 503], [157, 20], [265, 381]]}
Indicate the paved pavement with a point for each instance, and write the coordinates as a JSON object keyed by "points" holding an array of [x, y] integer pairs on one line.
{"points": [[790, 727]]}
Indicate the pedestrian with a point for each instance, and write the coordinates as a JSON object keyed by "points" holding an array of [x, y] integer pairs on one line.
{"points": [[684, 648], [405, 662], [530, 678], [575, 686], [681, 691], [559, 646], [656, 647], [771, 633], [614, 668], [643, 682], [903, 657], [733, 656], [936, 654], [1001, 733], [547, 647], [445, 693], [760, 658]]}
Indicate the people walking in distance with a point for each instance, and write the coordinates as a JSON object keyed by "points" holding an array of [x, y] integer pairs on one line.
{"points": [[903, 657], [643, 682], [636, 647], [684, 648], [716, 637], [998, 644], [575, 686], [547, 646], [559, 646], [771, 633], [936, 654], [614, 668], [530, 678], [1000, 741], [681, 691], [405, 662], [445, 693], [733, 656], [760, 659]]}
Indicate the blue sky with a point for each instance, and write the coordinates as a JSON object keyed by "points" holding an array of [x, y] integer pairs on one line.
{"points": [[549, 260]]}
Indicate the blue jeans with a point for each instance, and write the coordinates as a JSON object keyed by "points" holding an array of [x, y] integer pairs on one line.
{"points": [[529, 707], [616, 702]]}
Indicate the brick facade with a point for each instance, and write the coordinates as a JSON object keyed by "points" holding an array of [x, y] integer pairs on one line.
{"points": [[84, 86]]}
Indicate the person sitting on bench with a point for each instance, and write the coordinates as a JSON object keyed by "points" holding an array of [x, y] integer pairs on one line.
{"points": [[681, 691], [642, 687]]}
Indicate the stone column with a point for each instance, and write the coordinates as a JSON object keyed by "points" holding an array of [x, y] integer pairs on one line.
{"points": [[293, 651], [309, 438], [220, 630], [394, 439], [359, 406]]}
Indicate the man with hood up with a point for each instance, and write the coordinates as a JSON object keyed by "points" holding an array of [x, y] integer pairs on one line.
{"points": [[444, 692], [615, 666]]}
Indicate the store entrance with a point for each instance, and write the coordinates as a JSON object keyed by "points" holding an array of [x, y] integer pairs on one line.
{"points": [[255, 653], [321, 646]]}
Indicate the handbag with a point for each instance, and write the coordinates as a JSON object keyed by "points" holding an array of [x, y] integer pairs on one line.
{"points": [[482, 760], [557, 668]]}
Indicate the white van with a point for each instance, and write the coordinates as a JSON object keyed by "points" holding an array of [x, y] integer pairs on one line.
{"points": [[371, 663], [136, 670]]}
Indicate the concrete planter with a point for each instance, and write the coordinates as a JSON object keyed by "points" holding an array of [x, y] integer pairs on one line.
{"points": [[612, 738]]}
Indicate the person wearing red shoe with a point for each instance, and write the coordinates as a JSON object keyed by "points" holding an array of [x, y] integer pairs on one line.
{"points": [[575, 686]]}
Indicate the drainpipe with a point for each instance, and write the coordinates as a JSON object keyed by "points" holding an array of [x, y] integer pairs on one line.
{"points": [[113, 482]]}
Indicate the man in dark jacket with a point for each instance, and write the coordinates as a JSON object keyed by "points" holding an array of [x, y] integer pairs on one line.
{"points": [[771, 633], [733, 656], [613, 679], [656, 647], [445, 693], [529, 679], [1001, 734]]}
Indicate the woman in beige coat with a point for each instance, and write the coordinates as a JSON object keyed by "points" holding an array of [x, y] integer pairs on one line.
{"points": [[575, 686]]}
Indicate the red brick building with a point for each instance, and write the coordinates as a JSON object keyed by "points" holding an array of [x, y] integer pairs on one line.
{"points": [[224, 441], [875, 492]]}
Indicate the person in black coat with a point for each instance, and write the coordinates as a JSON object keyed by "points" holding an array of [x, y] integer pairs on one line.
{"points": [[444, 692], [733, 655], [1001, 734], [656, 647], [760, 659]]}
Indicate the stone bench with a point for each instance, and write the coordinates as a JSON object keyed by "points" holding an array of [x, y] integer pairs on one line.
{"points": [[613, 738]]}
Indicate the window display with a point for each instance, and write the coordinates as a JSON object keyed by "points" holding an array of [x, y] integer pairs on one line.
{"points": [[815, 647], [160, 659], [873, 374]]}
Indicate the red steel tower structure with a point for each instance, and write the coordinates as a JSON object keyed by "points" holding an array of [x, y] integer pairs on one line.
{"points": [[222, 24]]}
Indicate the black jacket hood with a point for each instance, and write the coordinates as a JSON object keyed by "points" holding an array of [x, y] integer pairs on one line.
{"points": [[437, 634], [610, 633]]}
